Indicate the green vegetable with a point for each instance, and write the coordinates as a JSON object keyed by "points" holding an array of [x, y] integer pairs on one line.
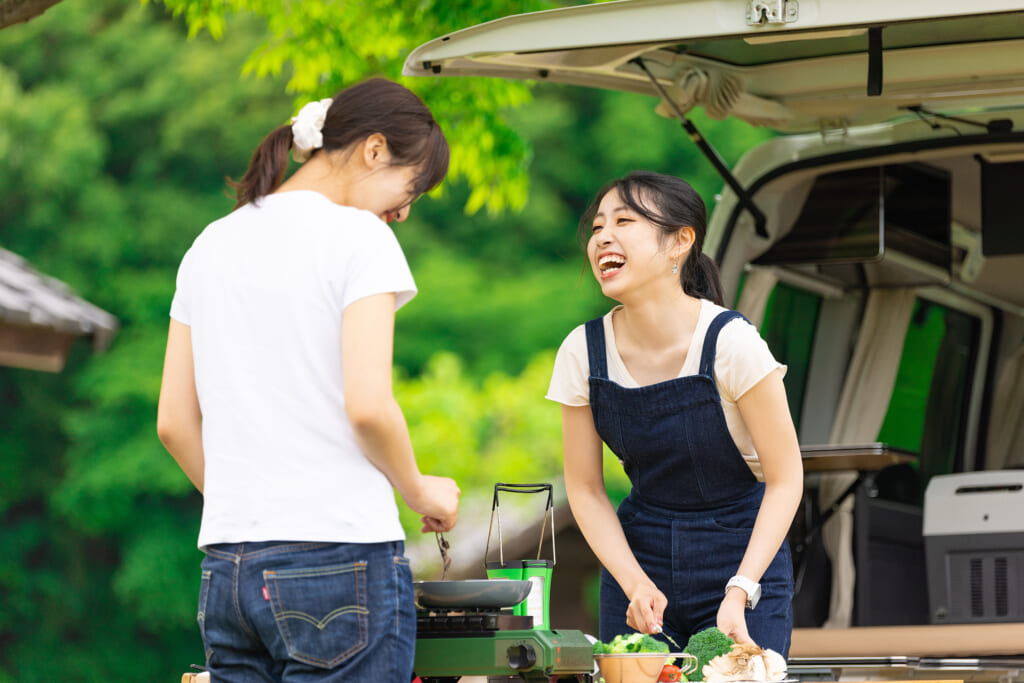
{"points": [[705, 646], [633, 642], [651, 644]]}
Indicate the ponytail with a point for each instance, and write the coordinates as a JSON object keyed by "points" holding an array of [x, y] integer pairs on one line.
{"points": [[266, 168], [699, 278]]}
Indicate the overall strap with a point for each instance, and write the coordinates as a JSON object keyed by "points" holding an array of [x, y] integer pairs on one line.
{"points": [[707, 356], [596, 353]]}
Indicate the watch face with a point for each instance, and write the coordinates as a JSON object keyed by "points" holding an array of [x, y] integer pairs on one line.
{"points": [[752, 600]]}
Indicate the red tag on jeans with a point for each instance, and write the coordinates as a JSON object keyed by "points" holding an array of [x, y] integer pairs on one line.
{"points": [[266, 593]]}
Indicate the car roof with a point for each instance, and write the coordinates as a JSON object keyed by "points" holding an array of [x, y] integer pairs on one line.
{"points": [[793, 65]]}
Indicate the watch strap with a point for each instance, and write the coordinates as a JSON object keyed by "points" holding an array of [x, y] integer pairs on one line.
{"points": [[751, 588]]}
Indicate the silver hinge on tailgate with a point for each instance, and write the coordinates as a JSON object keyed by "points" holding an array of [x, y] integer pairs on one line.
{"points": [[772, 12]]}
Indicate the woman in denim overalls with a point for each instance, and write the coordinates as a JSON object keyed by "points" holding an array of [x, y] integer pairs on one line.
{"points": [[699, 541]]}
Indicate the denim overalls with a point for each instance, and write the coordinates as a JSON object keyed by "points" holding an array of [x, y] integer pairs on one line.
{"points": [[693, 503]]}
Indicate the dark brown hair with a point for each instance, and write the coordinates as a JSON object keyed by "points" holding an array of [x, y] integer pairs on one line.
{"points": [[376, 105], [670, 204]]}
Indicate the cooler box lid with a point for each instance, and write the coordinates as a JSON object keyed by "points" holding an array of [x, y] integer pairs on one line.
{"points": [[974, 503]]}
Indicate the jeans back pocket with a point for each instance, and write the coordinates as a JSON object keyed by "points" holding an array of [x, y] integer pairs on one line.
{"points": [[320, 612]]}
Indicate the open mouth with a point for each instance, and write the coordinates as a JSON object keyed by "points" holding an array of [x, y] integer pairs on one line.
{"points": [[611, 264]]}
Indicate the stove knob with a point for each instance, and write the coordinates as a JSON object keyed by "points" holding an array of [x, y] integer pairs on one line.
{"points": [[522, 657]]}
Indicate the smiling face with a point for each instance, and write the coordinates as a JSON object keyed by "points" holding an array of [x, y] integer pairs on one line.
{"points": [[390, 192], [626, 251], [386, 188]]}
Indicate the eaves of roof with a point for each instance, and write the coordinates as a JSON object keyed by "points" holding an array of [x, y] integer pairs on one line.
{"points": [[29, 298]]}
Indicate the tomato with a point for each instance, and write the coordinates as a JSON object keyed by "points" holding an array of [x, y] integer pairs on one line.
{"points": [[671, 674]]}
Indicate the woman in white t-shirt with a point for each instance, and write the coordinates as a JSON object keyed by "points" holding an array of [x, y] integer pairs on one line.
{"points": [[277, 402], [690, 399]]}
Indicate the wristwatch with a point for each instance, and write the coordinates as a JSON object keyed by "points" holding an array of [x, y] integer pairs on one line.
{"points": [[752, 589]]}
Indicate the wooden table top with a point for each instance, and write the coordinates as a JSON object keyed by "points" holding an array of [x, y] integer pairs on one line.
{"points": [[869, 457], [939, 640]]}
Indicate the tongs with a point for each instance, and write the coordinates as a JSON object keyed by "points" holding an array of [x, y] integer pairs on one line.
{"points": [[443, 546]]}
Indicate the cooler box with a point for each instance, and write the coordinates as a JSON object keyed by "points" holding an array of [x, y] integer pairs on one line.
{"points": [[974, 547]]}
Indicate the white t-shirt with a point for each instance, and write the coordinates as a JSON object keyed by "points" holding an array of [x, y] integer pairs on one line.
{"points": [[742, 359], [264, 290]]}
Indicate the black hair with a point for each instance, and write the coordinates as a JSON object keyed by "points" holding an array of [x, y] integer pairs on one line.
{"points": [[376, 105], [670, 204]]}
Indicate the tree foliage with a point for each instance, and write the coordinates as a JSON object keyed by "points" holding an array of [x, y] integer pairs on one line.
{"points": [[326, 46]]}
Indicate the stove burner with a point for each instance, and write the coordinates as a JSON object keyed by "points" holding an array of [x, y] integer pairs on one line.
{"points": [[467, 622]]}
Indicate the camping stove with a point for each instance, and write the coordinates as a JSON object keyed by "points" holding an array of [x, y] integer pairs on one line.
{"points": [[499, 645], [511, 642]]}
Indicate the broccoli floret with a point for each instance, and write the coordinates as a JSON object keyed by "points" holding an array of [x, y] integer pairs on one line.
{"points": [[625, 643], [705, 646], [651, 644], [634, 642]]}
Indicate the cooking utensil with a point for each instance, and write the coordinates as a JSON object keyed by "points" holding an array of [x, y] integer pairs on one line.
{"points": [[659, 630], [489, 593], [443, 546]]}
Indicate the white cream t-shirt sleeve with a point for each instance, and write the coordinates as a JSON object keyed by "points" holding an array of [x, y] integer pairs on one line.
{"points": [[377, 265], [742, 360], [570, 378]]}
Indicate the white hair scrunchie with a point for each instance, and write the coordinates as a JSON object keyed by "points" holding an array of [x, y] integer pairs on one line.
{"points": [[307, 129]]}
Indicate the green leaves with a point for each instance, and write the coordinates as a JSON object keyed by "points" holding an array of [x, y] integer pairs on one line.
{"points": [[327, 46]]}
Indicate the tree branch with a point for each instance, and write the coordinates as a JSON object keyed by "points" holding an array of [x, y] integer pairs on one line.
{"points": [[17, 11]]}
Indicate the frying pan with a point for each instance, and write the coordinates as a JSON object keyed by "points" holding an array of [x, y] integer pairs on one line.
{"points": [[493, 593]]}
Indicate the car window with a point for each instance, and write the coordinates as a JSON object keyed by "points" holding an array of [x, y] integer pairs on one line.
{"points": [[928, 410]]}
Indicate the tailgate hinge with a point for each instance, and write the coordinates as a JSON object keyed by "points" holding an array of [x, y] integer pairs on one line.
{"points": [[772, 12]]}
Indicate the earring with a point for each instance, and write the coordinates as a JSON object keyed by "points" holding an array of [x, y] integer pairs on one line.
{"points": [[675, 267]]}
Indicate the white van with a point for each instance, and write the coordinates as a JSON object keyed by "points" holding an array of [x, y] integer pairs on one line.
{"points": [[878, 243]]}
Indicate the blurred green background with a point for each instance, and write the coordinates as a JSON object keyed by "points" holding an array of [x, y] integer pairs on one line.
{"points": [[119, 122]]}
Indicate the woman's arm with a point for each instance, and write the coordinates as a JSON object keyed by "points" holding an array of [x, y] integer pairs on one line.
{"points": [[179, 422], [584, 484], [367, 334], [766, 413]]}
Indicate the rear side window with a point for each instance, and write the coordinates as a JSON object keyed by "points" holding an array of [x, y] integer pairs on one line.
{"points": [[929, 406]]}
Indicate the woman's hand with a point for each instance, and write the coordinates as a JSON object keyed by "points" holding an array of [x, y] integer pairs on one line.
{"points": [[646, 608], [732, 620], [438, 503]]}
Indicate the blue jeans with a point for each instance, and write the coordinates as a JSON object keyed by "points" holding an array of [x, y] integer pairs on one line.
{"points": [[304, 612]]}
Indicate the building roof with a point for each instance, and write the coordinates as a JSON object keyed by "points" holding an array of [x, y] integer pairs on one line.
{"points": [[29, 298]]}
